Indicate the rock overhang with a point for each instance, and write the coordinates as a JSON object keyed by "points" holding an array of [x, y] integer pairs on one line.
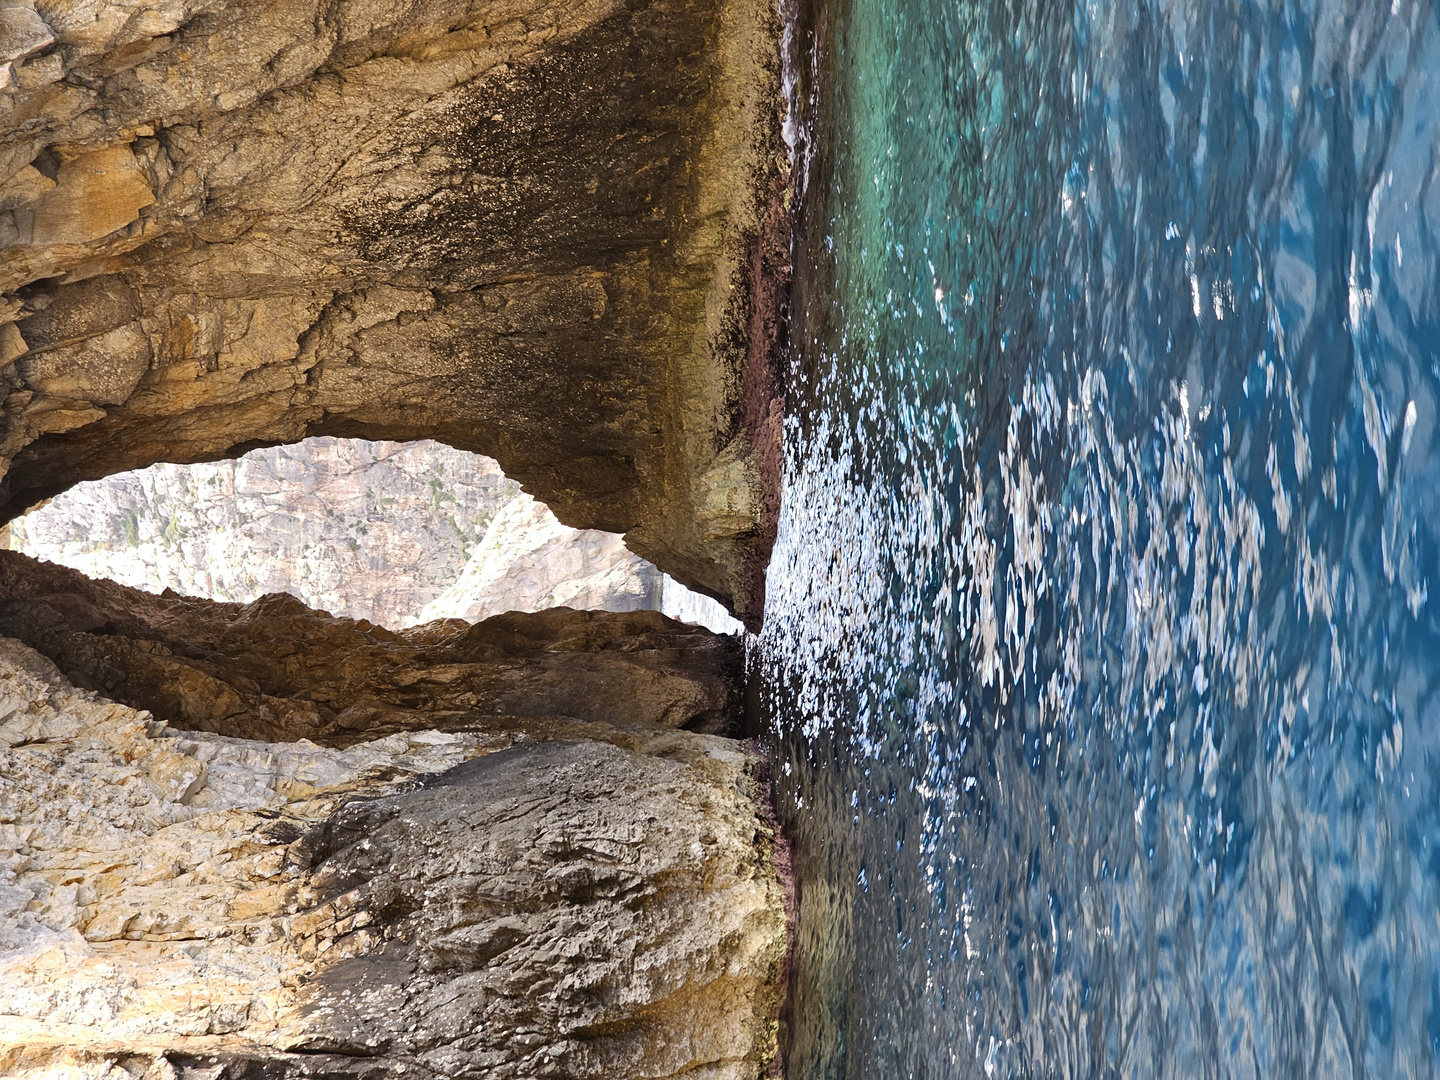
{"points": [[538, 233]]}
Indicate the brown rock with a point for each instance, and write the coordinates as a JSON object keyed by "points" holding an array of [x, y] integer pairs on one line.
{"points": [[524, 230], [95, 194], [25, 187], [547, 233], [178, 777], [22, 33], [275, 669]]}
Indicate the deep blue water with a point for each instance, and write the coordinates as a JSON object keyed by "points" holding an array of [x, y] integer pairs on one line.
{"points": [[1101, 647]]}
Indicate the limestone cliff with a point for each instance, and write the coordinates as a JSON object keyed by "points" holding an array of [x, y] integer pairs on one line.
{"points": [[370, 530], [395, 533], [548, 233], [529, 898], [528, 561]]}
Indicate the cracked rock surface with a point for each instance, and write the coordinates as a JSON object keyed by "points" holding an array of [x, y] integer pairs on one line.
{"points": [[275, 669], [538, 231], [582, 900], [257, 841]]}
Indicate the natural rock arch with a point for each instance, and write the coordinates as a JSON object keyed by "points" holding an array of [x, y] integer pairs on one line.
{"points": [[546, 233], [274, 843]]}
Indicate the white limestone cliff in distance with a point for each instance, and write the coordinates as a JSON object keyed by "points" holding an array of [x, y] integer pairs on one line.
{"points": [[397, 533]]}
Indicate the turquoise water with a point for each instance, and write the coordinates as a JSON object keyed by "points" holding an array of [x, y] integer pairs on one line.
{"points": [[1100, 651]]}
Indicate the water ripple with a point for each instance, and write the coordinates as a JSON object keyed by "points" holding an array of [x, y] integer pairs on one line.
{"points": [[1098, 647]]}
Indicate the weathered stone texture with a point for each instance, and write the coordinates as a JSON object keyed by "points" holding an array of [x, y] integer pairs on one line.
{"points": [[362, 529], [274, 669], [520, 228], [541, 232], [528, 561], [598, 903]]}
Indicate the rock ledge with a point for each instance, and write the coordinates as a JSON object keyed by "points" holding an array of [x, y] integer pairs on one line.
{"points": [[590, 900]]}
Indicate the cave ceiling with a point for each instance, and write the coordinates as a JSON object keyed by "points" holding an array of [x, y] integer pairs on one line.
{"points": [[552, 234]]}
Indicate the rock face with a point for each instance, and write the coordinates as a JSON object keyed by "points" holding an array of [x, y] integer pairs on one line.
{"points": [[547, 233], [542, 898], [528, 561], [370, 530], [274, 669]]}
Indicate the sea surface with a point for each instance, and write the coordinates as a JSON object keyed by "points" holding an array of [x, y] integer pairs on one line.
{"points": [[1101, 651]]}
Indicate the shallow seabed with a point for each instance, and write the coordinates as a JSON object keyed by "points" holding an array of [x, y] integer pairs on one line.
{"points": [[1101, 652]]}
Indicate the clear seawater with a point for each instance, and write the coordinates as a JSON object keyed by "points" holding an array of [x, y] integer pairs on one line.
{"points": [[1101, 651]]}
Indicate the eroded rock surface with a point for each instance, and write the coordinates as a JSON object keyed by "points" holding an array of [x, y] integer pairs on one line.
{"points": [[595, 901], [528, 561], [369, 530], [275, 669], [547, 233]]}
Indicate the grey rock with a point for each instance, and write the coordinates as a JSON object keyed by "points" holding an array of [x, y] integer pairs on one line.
{"points": [[481, 927], [22, 34], [361, 529], [396, 533]]}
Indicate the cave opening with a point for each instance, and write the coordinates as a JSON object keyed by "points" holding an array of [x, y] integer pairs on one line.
{"points": [[340, 590], [280, 833], [395, 533]]}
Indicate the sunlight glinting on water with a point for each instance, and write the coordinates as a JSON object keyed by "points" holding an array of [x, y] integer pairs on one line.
{"points": [[1098, 644]]}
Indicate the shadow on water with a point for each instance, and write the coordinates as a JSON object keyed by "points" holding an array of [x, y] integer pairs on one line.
{"points": [[1100, 657]]}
